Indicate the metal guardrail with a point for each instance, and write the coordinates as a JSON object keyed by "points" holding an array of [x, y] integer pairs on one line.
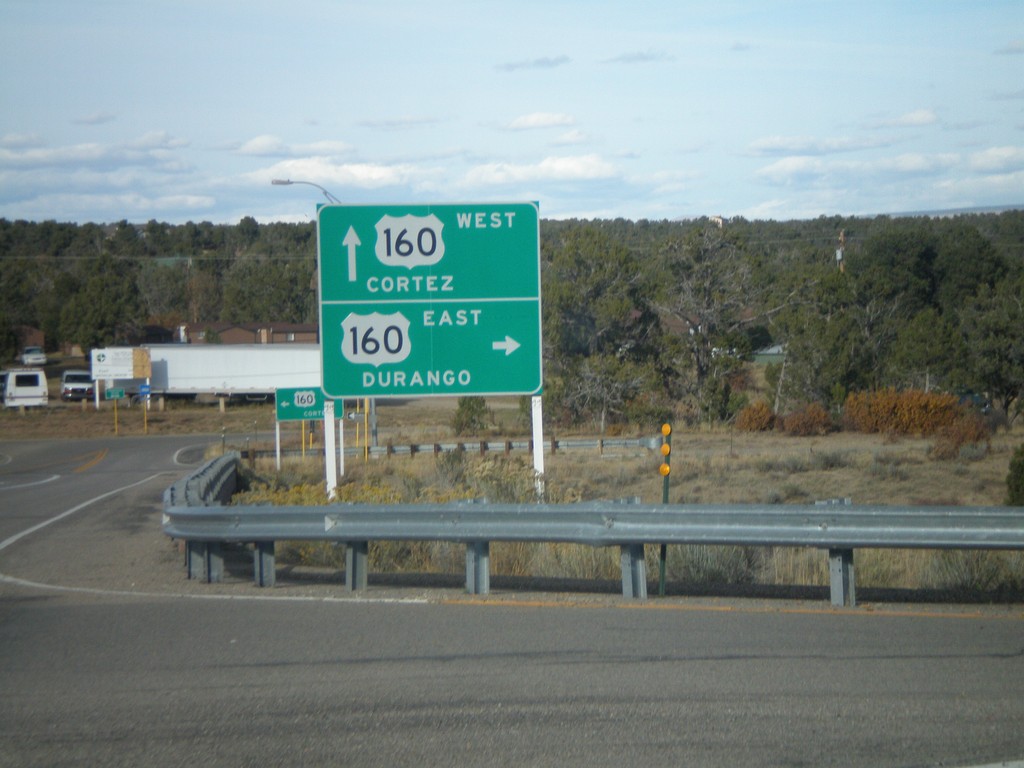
{"points": [[839, 529], [213, 483], [551, 446]]}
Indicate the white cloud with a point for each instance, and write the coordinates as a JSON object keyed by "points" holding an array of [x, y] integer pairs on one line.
{"points": [[536, 120], [574, 136], [585, 167], [913, 164], [20, 140], [151, 149], [1001, 188], [334, 175], [914, 119], [96, 118], [808, 145], [77, 154], [769, 209], [133, 206], [663, 183], [791, 169], [273, 146], [998, 160], [809, 170], [264, 146], [157, 140]]}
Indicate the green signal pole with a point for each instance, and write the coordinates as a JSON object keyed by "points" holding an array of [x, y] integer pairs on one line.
{"points": [[665, 469]]}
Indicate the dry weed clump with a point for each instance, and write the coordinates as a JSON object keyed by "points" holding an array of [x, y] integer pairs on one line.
{"points": [[811, 420], [973, 570], [756, 417], [699, 564], [968, 438]]}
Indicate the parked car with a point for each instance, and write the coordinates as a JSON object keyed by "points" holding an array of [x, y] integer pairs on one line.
{"points": [[25, 387], [33, 356], [76, 385]]}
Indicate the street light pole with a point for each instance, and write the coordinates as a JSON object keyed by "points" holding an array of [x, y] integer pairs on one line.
{"points": [[288, 182], [332, 199]]}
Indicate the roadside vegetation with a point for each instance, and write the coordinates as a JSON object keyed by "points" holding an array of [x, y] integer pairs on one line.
{"points": [[708, 466], [876, 359]]}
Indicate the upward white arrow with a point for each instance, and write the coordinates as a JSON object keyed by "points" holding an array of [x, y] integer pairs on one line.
{"points": [[351, 241], [509, 345]]}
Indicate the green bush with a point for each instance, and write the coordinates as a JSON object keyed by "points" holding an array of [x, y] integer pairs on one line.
{"points": [[470, 415], [1015, 479]]}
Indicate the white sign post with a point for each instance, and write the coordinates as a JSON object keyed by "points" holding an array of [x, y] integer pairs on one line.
{"points": [[330, 450]]}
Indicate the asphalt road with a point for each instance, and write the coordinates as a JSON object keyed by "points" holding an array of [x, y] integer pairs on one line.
{"points": [[109, 657]]}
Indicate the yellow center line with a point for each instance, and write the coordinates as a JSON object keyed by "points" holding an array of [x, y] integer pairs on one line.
{"points": [[96, 458], [874, 610], [91, 459]]}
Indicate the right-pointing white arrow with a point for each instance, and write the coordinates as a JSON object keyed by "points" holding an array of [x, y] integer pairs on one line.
{"points": [[509, 345]]}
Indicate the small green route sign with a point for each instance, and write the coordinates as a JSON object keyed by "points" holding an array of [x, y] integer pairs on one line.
{"points": [[113, 394], [299, 403], [422, 300]]}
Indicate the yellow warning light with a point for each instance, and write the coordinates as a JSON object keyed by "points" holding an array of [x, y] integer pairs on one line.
{"points": [[666, 429], [666, 449], [664, 469]]}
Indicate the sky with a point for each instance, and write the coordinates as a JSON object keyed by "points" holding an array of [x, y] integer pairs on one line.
{"points": [[185, 110]]}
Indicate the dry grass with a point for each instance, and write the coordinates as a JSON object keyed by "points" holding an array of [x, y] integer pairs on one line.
{"points": [[721, 467]]}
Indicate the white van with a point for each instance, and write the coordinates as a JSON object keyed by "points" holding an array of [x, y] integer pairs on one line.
{"points": [[24, 388]]}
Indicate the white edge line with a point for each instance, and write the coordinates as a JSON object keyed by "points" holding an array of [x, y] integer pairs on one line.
{"points": [[251, 598], [49, 479], [177, 453], [18, 536], [127, 593]]}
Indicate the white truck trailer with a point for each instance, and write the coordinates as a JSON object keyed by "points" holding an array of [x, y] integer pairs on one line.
{"points": [[251, 370]]}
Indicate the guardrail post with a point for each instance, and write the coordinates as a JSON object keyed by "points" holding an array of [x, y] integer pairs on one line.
{"points": [[263, 564], [213, 562], [356, 556], [478, 567], [840, 573], [195, 559], [634, 571]]}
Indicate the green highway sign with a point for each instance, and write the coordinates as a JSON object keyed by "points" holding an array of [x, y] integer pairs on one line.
{"points": [[113, 394], [299, 404], [430, 299]]}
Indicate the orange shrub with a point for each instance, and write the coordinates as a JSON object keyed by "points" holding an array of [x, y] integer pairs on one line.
{"points": [[810, 420], [910, 412], [756, 417]]}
